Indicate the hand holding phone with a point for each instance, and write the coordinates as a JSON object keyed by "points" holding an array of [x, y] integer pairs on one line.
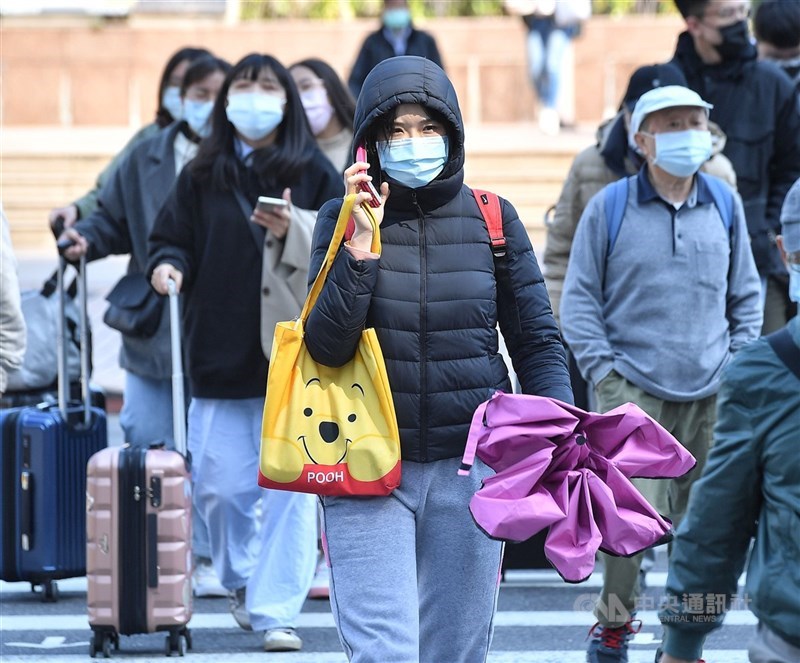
{"points": [[270, 205], [367, 187]]}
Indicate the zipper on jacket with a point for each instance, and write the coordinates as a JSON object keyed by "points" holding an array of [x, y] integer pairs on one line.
{"points": [[423, 329]]}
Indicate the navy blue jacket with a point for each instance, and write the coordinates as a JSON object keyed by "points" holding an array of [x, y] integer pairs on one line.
{"points": [[433, 297], [757, 108], [376, 48]]}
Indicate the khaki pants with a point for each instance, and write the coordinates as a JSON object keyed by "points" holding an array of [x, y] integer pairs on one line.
{"points": [[692, 425]]}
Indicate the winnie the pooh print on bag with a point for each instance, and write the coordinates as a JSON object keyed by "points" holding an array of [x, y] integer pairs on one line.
{"points": [[330, 434]]}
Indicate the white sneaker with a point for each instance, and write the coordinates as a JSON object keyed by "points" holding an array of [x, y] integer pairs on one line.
{"points": [[237, 604], [282, 639], [204, 579], [320, 585], [549, 122]]}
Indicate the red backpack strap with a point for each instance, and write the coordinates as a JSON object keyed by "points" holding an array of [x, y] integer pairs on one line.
{"points": [[489, 204], [350, 229]]}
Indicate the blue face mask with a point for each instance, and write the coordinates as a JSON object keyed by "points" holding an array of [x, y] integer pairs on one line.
{"points": [[413, 162], [681, 153], [196, 114], [794, 283], [255, 115], [397, 19], [171, 101]]}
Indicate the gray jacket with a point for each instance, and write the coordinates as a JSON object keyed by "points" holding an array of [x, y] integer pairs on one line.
{"points": [[673, 300], [128, 205]]}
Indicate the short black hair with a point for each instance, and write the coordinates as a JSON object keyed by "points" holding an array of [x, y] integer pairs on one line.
{"points": [[777, 22], [163, 117], [280, 164], [201, 68], [342, 101], [692, 7]]}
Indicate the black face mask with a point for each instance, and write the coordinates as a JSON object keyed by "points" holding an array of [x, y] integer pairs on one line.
{"points": [[735, 40]]}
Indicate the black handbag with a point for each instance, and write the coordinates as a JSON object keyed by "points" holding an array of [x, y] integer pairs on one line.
{"points": [[135, 309]]}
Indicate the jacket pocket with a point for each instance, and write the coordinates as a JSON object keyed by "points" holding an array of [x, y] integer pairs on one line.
{"points": [[711, 263]]}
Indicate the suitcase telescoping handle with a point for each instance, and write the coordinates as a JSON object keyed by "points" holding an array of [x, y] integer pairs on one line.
{"points": [[61, 341], [178, 399]]}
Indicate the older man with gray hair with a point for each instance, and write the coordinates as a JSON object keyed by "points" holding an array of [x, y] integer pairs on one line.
{"points": [[660, 291]]}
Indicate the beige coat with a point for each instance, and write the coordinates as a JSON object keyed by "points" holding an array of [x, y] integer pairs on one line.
{"points": [[12, 325], [284, 274], [588, 174]]}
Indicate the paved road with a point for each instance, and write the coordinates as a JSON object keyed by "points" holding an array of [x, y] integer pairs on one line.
{"points": [[540, 620]]}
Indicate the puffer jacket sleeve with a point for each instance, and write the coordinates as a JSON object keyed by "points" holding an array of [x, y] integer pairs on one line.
{"points": [[526, 319], [335, 323]]}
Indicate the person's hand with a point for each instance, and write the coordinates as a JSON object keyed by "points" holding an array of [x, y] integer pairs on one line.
{"points": [[68, 214], [162, 274], [353, 176], [666, 658], [78, 244], [277, 221]]}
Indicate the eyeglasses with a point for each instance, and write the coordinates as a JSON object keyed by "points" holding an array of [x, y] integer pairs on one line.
{"points": [[728, 11]]}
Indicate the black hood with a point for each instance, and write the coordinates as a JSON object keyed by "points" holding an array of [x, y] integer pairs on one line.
{"points": [[409, 79]]}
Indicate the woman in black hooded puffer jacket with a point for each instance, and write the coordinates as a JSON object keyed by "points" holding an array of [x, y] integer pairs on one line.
{"points": [[412, 577]]}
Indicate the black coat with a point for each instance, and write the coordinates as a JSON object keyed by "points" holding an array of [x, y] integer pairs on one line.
{"points": [[205, 234], [757, 108], [376, 48], [433, 297]]}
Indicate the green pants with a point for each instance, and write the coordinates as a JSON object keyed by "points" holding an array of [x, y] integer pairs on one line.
{"points": [[692, 425]]}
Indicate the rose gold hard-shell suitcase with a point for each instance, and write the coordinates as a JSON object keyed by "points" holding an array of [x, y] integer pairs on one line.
{"points": [[139, 533]]}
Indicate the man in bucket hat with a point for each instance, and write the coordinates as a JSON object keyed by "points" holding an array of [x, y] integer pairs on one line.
{"points": [[661, 289], [749, 489]]}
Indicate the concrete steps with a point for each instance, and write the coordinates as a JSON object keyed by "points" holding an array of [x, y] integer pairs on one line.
{"points": [[42, 169]]}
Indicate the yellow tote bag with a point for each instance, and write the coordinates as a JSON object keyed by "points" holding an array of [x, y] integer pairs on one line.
{"points": [[329, 431]]}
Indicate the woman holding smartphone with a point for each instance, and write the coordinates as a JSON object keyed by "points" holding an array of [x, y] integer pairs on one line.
{"points": [[412, 576], [241, 270]]}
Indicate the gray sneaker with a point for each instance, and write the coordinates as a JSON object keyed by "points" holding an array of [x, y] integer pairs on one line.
{"points": [[282, 639], [238, 607]]}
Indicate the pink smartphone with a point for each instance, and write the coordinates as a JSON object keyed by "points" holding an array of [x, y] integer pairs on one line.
{"points": [[375, 201]]}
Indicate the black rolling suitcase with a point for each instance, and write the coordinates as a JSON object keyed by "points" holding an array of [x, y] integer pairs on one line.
{"points": [[44, 451]]}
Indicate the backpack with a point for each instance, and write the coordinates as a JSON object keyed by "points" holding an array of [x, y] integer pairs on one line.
{"points": [[489, 204], [615, 200], [784, 346]]}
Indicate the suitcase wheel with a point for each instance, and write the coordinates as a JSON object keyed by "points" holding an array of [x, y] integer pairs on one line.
{"points": [[177, 642], [100, 643], [49, 591]]}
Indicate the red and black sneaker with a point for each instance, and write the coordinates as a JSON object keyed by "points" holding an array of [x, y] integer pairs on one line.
{"points": [[610, 644]]}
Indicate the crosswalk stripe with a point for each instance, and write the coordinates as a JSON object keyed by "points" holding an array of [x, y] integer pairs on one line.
{"points": [[511, 618], [727, 655]]}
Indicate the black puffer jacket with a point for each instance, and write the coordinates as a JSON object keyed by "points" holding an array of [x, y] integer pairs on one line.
{"points": [[756, 106], [432, 297]]}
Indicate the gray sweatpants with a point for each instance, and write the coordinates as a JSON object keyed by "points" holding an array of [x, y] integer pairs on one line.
{"points": [[412, 578]]}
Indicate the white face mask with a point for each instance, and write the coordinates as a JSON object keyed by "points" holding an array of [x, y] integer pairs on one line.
{"points": [[171, 101], [318, 109], [196, 114], [681, 153], [255, 115], [794, 283], [414, 162]]}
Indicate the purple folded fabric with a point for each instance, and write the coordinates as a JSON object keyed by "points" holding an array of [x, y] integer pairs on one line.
{"points": [[557, 466]]}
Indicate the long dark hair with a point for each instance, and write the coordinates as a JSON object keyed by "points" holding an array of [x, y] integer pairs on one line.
{"points": [[342, 101], [163, 117], [282, 162], [201, 68]]}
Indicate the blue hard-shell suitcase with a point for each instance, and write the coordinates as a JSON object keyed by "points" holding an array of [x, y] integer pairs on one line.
{"points": [[44, 450]]}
